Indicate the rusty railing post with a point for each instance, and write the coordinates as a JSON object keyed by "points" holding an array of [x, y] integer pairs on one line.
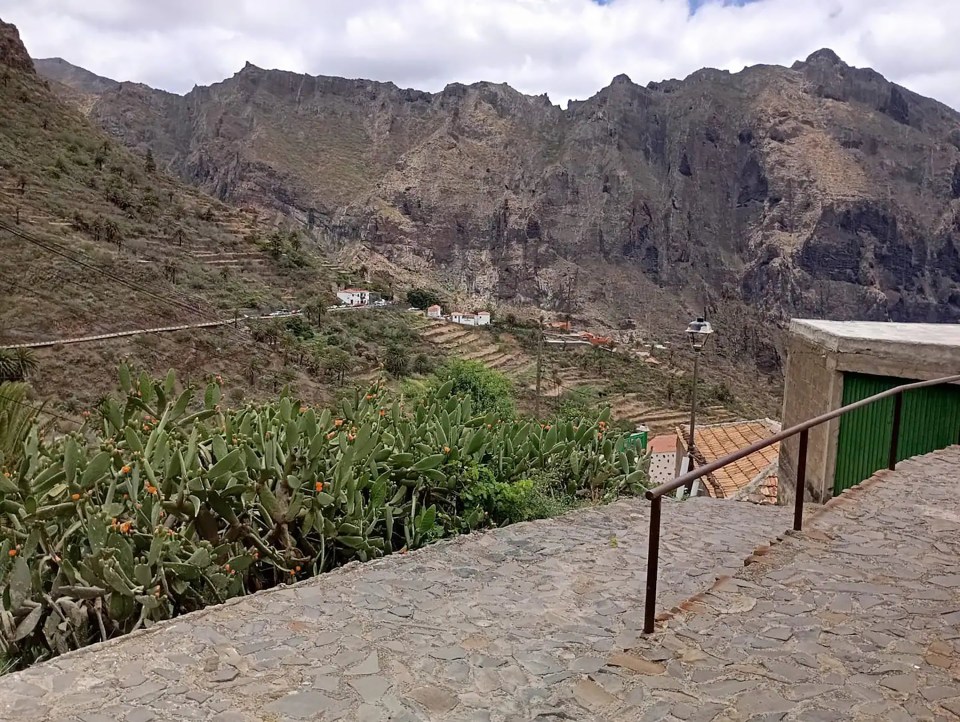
{"points": [[895, 436], [653, 560], [801, 486]]}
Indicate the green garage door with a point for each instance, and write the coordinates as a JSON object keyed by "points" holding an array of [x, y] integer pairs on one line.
{"points": [[930, 421]]}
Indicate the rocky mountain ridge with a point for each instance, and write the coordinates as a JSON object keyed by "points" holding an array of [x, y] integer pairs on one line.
{"points": [[815, 190]]}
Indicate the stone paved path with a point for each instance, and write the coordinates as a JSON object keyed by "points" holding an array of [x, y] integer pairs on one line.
{"points": [[523, 623], [856, 619]]}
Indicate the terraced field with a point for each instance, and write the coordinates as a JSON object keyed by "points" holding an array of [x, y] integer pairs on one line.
{"points": [[633, 408], [570, 378], [465, 342]]}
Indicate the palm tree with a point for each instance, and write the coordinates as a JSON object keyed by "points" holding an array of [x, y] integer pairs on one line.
{"points": [[598, 357], [421, 364], [254, 367], [17, 418], [16, 364], [557, 382], [316, 307], [337, 363], [397, 360], [111, 233]]}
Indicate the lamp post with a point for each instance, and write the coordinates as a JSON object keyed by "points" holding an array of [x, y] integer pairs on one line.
{"points": [[698, 332]]}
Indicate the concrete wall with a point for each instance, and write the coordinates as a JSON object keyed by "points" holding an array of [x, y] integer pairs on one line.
{"points": [[663, 468], [812, 386], [819, 353]]}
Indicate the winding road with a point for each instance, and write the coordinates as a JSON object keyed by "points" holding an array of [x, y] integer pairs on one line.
{"points": [[141, 331]]}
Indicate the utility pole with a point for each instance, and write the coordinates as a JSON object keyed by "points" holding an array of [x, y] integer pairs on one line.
{"points": [[693, 415], [536, 405]]}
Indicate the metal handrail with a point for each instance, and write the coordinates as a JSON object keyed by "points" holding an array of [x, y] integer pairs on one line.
{"points": [[656, 494]]}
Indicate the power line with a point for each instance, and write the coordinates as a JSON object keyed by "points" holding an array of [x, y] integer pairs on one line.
{"points": [[56, 249], [57, 300]]}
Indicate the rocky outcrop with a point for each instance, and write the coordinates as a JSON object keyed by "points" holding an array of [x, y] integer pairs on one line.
{"points": [[820, 189], [12, 52]]}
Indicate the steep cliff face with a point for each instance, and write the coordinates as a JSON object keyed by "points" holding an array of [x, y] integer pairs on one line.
{"points": [[12, 52], [819, 189]]}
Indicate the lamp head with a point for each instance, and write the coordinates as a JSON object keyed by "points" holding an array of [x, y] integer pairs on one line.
{"points": [[699, 332]]}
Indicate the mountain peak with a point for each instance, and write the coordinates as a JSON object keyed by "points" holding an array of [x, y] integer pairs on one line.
{"points": [[823, 56], [12, 52], [73, 76]]}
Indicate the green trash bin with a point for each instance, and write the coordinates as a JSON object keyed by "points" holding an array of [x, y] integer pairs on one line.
{"points": [[636, 441]]}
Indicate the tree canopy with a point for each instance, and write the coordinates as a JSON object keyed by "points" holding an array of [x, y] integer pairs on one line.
{"points": [[422, 297]]}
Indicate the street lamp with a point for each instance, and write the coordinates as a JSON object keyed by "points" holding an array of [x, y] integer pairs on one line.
{"points": [[699, 333]]}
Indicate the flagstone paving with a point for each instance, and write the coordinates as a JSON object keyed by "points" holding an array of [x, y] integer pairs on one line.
{"points": [[506, 625], [857, 618]]}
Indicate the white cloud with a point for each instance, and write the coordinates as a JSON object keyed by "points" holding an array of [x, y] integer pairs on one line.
{"points": [[567, 48]]}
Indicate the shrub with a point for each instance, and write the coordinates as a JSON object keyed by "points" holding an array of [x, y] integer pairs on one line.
{"points": [[490, 391], [168, 509]]}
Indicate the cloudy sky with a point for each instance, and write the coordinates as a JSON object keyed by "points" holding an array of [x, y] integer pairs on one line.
{"points": [[567, 48]]}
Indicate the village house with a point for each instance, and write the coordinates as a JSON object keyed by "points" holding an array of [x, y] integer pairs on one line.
{"points": [[663, 458], [357, 296], [434, 311], [481, 318]]}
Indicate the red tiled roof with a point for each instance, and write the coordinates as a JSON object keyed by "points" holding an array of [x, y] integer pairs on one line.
{"points": [[715, 442], [662, 444], [768, 489]]}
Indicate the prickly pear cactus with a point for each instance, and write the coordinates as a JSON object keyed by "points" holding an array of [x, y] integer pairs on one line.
{"points": [[163, 503]]}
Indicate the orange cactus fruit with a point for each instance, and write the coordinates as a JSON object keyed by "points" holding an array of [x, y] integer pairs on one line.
{"points": [[75, 497]]}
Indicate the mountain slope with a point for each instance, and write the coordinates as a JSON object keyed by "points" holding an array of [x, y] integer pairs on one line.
{"points": [[87, 216], [816, 190]]}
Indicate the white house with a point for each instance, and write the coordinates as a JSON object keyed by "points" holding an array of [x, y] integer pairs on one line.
{"points": [[467, 319], [663, 458], [434, 311], [481, 318], [354, 296]]}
